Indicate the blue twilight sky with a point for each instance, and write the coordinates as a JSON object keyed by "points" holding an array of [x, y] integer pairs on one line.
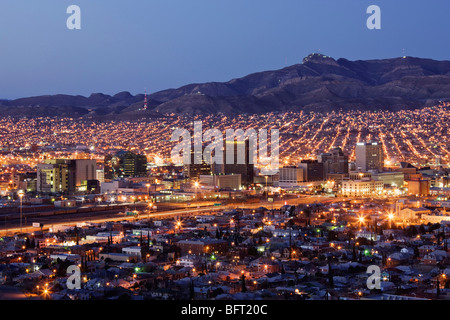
{"points": [[160, 44]]}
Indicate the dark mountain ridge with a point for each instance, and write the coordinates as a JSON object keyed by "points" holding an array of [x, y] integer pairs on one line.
{"points": [[319, 83]]}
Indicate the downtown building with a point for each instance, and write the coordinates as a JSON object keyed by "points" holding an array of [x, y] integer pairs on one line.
{"points": [[222, 181], [124, 164], [234, 166], [65, 176], [369, 156], [290, 177], [362, 188], [334, 162], [312, 170], [197, 167]]}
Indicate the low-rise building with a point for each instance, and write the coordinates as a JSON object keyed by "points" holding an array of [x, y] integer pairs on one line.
{"points": [[362, 188]]}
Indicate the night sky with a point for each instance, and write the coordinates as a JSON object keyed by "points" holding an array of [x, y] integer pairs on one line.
{"points": [[133, 45]]}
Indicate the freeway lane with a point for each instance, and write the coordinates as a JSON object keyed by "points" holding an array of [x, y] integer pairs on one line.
{"points": [[72, 220], [114, 216]]}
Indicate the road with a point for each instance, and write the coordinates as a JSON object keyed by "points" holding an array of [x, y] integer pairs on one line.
{"points": [[58, 221], [114, 216]]}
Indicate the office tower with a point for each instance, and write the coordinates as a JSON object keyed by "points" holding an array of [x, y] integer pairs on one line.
{"points": [[125, 164], [312, 170], [64, 176], [113, 166], [369, 156], [334, 161], [238, 159], [197, 167], [290, 177], [53, 176], [100, 175], [84, 170], [134, 165]]}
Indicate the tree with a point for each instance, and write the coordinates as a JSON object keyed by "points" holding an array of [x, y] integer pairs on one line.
{"points": [[191, 290], [77, 237], [330, 276], [291, 211], [307, 212], [416, 252], [354, 253], [244, 288], [422, 229], [332, 235], [218, 234], [252, 251], [438, 289]]}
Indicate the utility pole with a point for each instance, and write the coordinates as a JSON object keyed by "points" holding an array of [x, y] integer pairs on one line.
{"points": [[21, 196]]}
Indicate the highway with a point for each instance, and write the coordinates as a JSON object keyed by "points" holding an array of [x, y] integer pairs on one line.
{"points": [[115, 216], [74, 219]]}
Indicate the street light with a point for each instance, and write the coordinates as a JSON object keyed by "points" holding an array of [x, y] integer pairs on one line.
{"points": [[196, 187], [267, 194], [21, 194], [390, 217], [361, 220]]}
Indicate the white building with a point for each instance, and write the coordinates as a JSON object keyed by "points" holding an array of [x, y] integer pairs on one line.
{"points": [[285, 233], [412, 214], [133, 251], [290, 177], [189, 261], [367, 235], [434, 218], [362, 188]]}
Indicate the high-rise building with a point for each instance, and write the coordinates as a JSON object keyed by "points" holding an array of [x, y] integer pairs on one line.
{"points": [[64, 176], [134, 165], [125, 164], [312, 170], [197, 167], [369, 156], [113, 168], [290, 177], [334, 161], [84, 170], [100, 175], [237, 160]]}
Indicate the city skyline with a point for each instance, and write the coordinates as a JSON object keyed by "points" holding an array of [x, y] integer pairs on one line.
{"points": [[322, 173]]}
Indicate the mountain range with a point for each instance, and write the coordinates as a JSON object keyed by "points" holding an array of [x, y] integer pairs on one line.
{"points": [[320, 83]]}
